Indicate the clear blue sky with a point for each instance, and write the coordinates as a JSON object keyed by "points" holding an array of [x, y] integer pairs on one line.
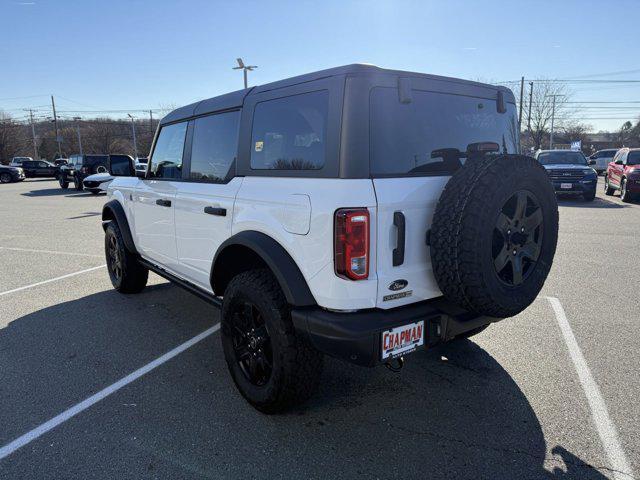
{"points": [[145, 54]]}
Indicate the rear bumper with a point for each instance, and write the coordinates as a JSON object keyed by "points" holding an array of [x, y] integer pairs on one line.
{"points": [[357, 337]]}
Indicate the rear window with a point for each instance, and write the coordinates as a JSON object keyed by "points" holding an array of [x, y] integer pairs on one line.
{"points": [[562, 158], [290, 133], [93, 159], [432, 133]]}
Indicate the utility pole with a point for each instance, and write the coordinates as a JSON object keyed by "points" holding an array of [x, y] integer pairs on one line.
{"points": [[245, 69], [55, 122], [77, 119], [520, 113], [553, 115], [33, 133], [530, 102], [150, 122], [133, 129]]}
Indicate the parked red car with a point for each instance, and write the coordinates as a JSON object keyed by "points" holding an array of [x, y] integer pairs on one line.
{"points": [[623, 173]]}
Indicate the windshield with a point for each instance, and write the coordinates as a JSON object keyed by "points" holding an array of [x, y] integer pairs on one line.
{"points": [[432, 133], [562, 158]]}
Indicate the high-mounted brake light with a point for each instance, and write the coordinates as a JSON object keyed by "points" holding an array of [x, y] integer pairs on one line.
{"points": [[351, 243]]}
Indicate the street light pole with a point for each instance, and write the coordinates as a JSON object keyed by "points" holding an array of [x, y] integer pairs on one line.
{"points": [[133, 130], [77, 119], [245, 69]]}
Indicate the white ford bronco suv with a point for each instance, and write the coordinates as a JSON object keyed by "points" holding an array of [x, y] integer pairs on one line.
{"points": [[357, 212]]}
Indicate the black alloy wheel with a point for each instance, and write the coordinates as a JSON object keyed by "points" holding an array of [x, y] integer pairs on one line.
{"points": [[114, 257], [251, 343], [517, 238]]}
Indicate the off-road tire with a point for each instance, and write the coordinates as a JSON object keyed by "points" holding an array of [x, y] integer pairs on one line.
{"points": [[296, 364], [78, 184], [64, 184], [5, 178], [589, 196], [462, 233], [131, 277], [608, 189]]}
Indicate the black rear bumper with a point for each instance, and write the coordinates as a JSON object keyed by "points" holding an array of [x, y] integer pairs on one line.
{"points": [[356, 337]]}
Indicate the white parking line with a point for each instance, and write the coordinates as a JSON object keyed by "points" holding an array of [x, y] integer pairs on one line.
{"points": [[93, 399], [19, 289], [604, 425], [53, 252]]}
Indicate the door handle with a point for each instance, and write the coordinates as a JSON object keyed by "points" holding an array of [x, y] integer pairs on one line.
{"points": [[398, 252], [219, 211], [163, 203]]}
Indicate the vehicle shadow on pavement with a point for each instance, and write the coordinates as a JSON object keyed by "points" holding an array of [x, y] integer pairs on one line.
{"points": [[50, 192], [453, 412], [596, 203]]}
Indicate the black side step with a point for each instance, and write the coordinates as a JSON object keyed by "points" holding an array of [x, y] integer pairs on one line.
{"points": [[197, 291]]}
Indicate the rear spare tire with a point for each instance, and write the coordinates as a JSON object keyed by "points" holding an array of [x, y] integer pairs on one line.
{"points": [[494, 234]]}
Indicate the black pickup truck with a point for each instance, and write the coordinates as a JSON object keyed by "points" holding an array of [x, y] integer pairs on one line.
{"points": [[80, 167]]}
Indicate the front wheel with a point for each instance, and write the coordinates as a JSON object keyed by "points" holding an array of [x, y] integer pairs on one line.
{"points": [[273, 367], [126, 273], [5, 178], [64, 184], [78, 184], [589, 196]]}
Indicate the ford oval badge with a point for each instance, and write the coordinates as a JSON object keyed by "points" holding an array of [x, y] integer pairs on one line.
{"points": [[398, 285]]}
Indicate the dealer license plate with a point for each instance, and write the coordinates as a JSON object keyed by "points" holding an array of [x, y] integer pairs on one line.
{"points": [[566, 186], [401, 340]]}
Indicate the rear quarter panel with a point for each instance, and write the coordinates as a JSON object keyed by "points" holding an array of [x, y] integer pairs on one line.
{"points": [[299, 213]]}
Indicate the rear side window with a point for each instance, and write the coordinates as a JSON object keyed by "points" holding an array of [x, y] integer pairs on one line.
{"points": [[633, 158], [290, 133], [431, 134], [214, 147], [166, 161]]}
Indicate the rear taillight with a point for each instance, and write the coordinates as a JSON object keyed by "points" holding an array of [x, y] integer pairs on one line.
{"points": [[351, 243]]}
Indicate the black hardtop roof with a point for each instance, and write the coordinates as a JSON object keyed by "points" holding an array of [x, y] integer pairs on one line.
{"points": [[235, 99]]}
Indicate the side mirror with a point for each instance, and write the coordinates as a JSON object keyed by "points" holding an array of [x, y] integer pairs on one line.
{"points": [[592, 162], [121, 166]]}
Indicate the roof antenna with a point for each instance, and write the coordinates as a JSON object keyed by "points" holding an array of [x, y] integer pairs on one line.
{"points": [[245, 69]]}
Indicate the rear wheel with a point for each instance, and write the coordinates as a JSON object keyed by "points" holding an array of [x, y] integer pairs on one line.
{"points": [[5, 178], [273, 367], [126, 273], [625, 195], [494, 234], [608, 189]]}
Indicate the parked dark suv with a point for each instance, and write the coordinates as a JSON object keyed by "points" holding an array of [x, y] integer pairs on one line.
{"points": [[39, 168], [80, 167], [570, 172]]}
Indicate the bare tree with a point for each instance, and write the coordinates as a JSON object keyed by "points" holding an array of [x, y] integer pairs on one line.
{"points": [[12, 138], [542, 110]]}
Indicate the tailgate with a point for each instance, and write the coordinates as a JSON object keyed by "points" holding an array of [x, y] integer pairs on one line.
{"points": [[412, 201]]}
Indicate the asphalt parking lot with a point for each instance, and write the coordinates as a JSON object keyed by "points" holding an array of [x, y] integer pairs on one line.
{"points": [[519, 401]]}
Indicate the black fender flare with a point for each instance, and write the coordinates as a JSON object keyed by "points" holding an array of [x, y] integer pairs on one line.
{"points": [[114, 212], [284, 268]]}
